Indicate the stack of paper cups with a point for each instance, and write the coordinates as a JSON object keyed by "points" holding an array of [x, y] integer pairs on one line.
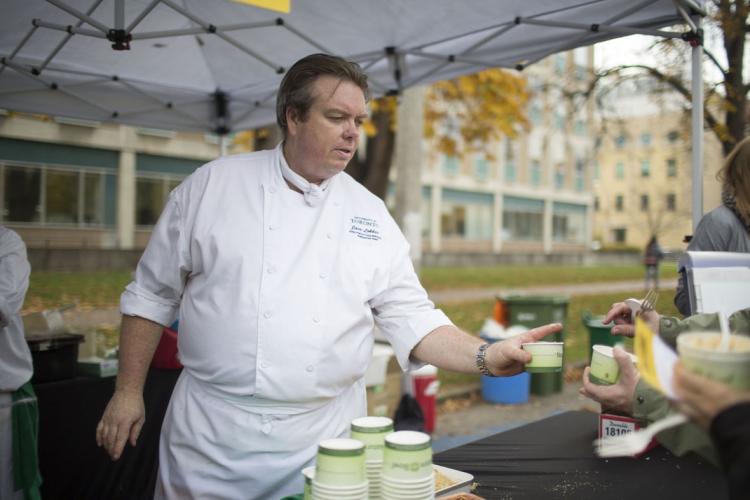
{"points": [[340, 470], [372, 431], [309, 473], [407, 467]]}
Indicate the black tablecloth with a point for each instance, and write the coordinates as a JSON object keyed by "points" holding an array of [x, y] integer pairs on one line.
{"points": [[553, 458], [72, 466]]}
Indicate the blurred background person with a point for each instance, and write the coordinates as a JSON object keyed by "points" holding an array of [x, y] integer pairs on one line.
{"points": [[727, 227], [651, 258]]}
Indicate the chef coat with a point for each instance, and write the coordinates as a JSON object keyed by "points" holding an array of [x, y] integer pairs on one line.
{"points": [[15, 357], [277, 302]]}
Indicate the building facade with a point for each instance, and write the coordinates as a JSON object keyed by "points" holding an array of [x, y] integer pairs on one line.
{"points": [[77, 184], [643, 170]]}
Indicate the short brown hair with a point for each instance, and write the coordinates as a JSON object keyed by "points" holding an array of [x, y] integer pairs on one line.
{"points": [[735, 177], [295, 90]]}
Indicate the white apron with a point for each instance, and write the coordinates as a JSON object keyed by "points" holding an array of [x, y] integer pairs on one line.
{"points": [[211, 448]]}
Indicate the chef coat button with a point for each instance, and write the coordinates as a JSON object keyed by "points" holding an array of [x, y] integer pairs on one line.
{"points": [[322, 276], [266, 428], [267, 314], [329, 236], [316, 319], [264, 365], [310, 368], [271, 270], [336, 203], [272, 189], [271, 227]]}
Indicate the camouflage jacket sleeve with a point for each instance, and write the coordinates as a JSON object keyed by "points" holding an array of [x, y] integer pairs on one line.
{"points": [[650, 405]]}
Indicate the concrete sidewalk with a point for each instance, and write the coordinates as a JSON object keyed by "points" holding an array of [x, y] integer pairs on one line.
{"points": [[473, 294]]}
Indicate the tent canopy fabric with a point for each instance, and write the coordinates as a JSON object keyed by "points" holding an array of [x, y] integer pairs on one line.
{"points": [[214, 65]]}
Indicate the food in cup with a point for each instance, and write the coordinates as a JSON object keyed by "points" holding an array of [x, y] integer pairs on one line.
{"points": [[545, 356], [604, 368], [701, 353]]}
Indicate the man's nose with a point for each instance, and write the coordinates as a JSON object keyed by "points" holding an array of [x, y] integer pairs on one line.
{"points": [[351, 131]]}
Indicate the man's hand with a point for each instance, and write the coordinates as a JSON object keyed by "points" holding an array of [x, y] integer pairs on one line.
{"points": [[507, 358], [701, 398], [122, 420], [619, 396], [624, 325]]}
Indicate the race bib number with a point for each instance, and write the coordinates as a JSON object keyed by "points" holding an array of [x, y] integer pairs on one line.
{"points": [[612, 428]]}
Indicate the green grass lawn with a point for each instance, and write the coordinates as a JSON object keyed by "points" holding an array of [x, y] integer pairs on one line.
{"points": [[470, 316], [103, 289], [442, 278]]}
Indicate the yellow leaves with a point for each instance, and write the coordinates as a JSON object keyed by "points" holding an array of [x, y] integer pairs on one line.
{"points": [[470, 112], [243, 141]]}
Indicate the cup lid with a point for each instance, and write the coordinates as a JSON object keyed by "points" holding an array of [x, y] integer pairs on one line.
{"points": [[609, 352], [372, 424], [341, 447], [408, 440]]}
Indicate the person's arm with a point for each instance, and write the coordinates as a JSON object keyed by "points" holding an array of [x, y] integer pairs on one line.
{"points": [[14, 275], [449, 348], [125, 413]]}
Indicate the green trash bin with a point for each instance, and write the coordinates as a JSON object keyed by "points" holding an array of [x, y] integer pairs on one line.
{"points": [[599, 333], [532, 311]]}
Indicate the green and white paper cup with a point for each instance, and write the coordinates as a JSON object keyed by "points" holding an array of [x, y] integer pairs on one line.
{"points": [[407, 456], [309, 473], [699, 352], [372, 432], [604, 368], [545, 356], [340, 462]]}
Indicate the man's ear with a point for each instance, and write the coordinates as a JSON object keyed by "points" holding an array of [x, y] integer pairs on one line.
{"points": [[292, 120]]}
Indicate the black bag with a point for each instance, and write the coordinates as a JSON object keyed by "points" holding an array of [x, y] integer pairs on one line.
{"points": [[409, 416]]}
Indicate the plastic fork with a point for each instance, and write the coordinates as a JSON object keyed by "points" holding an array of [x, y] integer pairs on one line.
{"points": [[648, 303], [626, 445]]}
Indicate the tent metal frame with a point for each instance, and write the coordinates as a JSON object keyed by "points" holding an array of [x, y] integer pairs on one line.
{"points": [[121, 35]]}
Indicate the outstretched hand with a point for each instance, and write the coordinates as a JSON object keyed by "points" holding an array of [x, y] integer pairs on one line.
{"points": [[622, 316], [507, 358]]}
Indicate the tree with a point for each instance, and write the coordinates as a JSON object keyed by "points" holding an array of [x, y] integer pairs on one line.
{"points": [[725, 110], [462, 115]]}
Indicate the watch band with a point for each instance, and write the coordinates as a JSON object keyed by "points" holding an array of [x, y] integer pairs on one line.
{"points": [[481, 364]]}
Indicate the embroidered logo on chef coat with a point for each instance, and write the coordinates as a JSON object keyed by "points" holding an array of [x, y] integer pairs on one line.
{"points": [[364, 228]]}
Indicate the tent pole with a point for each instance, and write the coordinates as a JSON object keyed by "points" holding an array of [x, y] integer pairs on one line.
{"points": [[223, 145], [697, 132]]}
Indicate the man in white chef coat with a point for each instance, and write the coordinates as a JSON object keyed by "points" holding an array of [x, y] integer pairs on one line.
{"points": [[280, 265]]}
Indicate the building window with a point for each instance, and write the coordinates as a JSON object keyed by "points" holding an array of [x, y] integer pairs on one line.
{"points": [[580, 179], [596, 203], [580, 127], [671, 167], [481, 169], [535, 113], [671, 202], [619, 235], [450, 166], [560, 176], [673, 136], [596, 170], [535, 175], [620, 170], [645, 168], [466, 215], [58, 195], [522, 219], [619, 203], [560, 64], [151, 196], [645, 139], [644, 202], [568, 222], [620, 141], [510, 173], [559, 120]]}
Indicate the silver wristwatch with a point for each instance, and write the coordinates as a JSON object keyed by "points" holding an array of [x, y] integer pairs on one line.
{"points": [[481, 364]]}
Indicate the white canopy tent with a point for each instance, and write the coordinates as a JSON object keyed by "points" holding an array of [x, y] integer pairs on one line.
{"points": [[214, 65]]}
